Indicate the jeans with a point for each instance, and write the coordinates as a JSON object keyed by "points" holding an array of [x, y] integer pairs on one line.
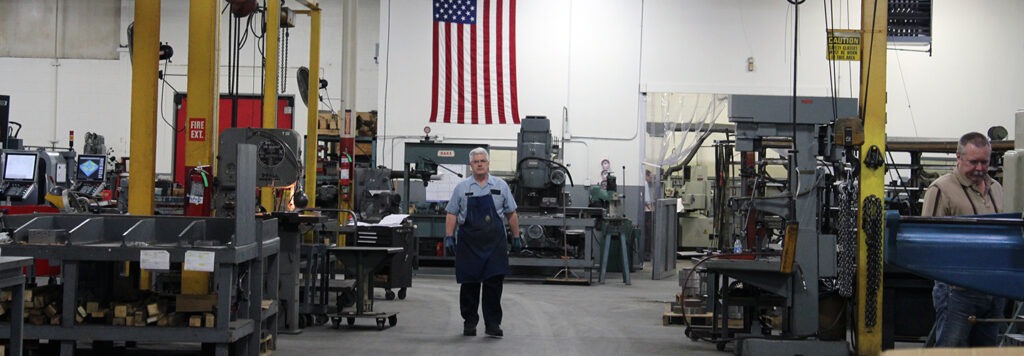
{"points": [[952, 308], [469, 301]]}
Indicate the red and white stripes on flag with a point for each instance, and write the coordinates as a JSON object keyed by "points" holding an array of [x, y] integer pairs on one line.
{"points": [[474, 80]]}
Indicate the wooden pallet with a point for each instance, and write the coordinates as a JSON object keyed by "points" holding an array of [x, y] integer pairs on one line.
{"points": [[704, 319]]}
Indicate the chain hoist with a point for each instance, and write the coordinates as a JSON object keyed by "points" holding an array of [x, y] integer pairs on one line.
{"points": [[873, 213], [284, 61], [846, 231]]}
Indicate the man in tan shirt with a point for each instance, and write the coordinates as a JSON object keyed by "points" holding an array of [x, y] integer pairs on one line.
{"points": [[967, 190]]}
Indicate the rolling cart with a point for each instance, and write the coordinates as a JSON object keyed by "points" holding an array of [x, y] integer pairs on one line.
{"points": [[396, 271], [364, 261]]}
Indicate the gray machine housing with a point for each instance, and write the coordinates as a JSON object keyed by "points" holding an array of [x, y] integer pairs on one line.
{"points": [[278, 155], [539, 179], [278, 162]]}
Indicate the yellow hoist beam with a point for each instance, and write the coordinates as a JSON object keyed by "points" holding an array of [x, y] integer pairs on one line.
{"points": [[874, 17]]}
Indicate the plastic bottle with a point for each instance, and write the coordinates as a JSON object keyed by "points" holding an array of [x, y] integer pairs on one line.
{"points": [[737, 246]]}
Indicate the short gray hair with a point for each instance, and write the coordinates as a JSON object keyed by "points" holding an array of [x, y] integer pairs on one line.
{"points": [[972, 138], [479, 151]]}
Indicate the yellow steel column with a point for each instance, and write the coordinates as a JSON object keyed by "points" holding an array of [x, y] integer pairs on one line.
{"points": [[313, 107], [874, 17], [145, 65], [270, 83], [203, 97]]}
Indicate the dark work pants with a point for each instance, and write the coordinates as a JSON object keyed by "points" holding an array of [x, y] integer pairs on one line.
{"points": [[469, 301]]}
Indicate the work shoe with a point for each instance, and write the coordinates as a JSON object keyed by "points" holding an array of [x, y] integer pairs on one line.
{"points": [[494, 332], [468, 331]]}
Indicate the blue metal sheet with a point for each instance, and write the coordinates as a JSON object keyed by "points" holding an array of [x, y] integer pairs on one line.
{"points": [[982, 252]]}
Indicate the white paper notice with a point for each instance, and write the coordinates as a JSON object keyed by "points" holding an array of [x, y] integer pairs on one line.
{"points": [[441, 190], [393, 220], [201, 261], [158, 260]]}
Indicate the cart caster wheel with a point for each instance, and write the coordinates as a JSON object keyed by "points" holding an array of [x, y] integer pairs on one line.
{"points": [[401, 294], [336, 322], [393, 320], [351, 321], [720, 346], [321, 319], [380, 323], [389, 295]]}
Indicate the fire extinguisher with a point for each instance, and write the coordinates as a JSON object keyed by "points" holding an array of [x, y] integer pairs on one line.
{"points": [[345, 179], [198, 192]]}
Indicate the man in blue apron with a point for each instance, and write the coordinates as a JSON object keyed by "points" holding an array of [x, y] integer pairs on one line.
{"points": [[481, 250]]}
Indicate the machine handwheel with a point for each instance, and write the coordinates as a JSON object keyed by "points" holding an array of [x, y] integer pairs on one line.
{"points": [[389, 295], [393, 320], [351, 321], [720, 346], [380, 323], [401, 294]]}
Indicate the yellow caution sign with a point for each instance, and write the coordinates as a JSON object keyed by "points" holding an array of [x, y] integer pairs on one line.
{"points": [[843, 45]]}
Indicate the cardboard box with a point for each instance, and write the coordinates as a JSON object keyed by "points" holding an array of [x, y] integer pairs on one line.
{"points": [[366, 124], [189, 303], [364, 149]]}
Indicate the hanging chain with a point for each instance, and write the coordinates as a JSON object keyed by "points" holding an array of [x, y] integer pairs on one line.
{"points": [[284, 61], [872, 223], [846, 231]]}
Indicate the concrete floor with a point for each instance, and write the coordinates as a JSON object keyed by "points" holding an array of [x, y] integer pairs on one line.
{"points": [[539, 319]]}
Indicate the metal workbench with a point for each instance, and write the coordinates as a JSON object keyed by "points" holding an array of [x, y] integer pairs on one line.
{"points": [[11, 276], [245, 273]]}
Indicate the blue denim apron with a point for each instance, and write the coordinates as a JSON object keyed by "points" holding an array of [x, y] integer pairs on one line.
{"points": [[481, 251]]}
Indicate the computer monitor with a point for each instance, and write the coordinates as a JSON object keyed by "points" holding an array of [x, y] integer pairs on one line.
{"points": [[20, 166], [91, 168]]}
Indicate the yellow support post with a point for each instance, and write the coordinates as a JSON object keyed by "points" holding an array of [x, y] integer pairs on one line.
{"points": [[145, 69], [874, 17], [313, 107], [145, 66], [270, 84], [203, 98]]}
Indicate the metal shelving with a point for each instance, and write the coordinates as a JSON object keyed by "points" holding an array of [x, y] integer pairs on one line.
{"points": [[245, 273]]}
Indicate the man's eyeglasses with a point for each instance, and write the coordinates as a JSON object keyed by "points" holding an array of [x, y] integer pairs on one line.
{"points": [[477, 161]]}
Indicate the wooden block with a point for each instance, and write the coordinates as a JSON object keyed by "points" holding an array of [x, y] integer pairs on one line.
{"points": [[140, 318], [152, 320], [6, 295], [266, 303], [2, 310], [163, 320], [55, 320], [195, 303], [99, 314], [129, 320], [50, 310], [92, 306], [39, 301], [78, 319], [120, 311], [153, 309], [118, 321], [195, 321], [3, 350], [28, 294], [82, 311], [211, 320]]}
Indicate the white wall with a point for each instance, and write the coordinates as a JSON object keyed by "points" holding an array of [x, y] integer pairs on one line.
{"points": [[95, 95], [592, 57]]}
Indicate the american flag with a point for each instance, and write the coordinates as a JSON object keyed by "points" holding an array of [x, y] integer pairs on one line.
{"points": [[474, 61]]}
